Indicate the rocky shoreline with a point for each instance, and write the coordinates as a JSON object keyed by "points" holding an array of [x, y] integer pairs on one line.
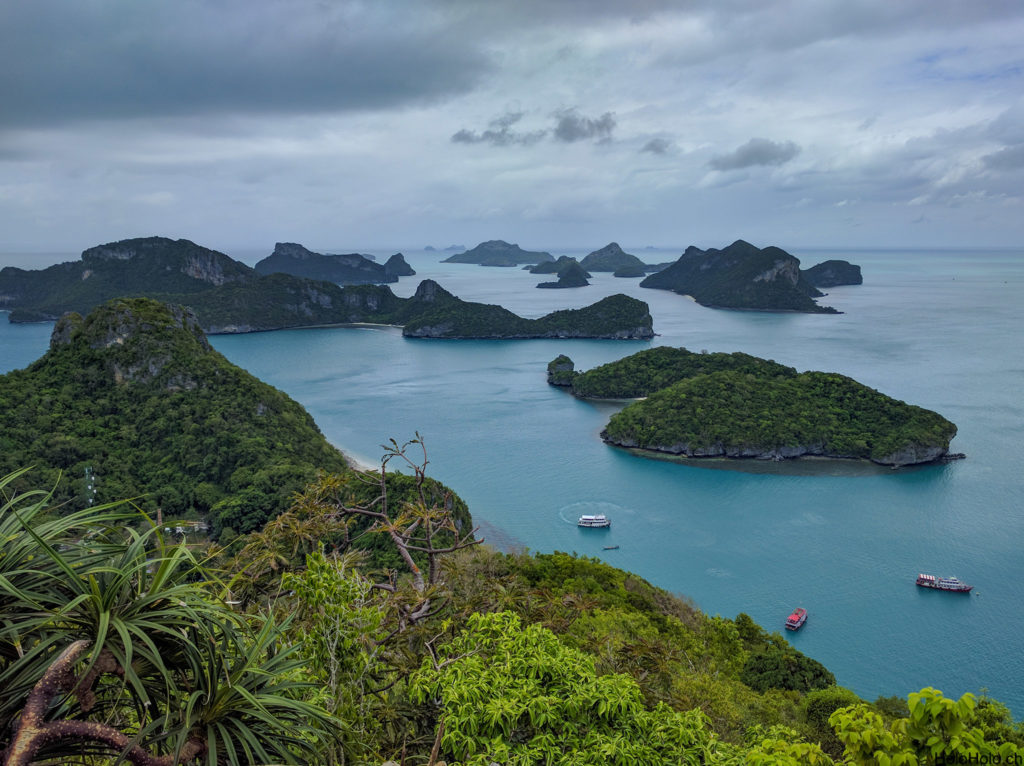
{"points": [[907, 457]]}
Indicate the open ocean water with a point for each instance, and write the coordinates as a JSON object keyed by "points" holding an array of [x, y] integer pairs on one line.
{"points": [[939, 329]]}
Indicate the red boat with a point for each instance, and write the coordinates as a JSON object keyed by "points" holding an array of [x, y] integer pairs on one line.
{"points": [[943, 583], [797, 619]]}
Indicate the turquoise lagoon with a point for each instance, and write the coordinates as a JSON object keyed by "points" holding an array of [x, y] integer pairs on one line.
{"points": [[938, 329]]}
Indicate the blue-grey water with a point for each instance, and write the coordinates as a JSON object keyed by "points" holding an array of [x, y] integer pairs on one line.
{"points": [[938, 329]]}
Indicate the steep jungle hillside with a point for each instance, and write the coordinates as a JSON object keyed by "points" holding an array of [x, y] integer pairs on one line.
{"points": [[133, 402]]}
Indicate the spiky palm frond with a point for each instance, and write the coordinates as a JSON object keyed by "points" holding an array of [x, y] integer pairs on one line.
{"points": [[120, 642]]}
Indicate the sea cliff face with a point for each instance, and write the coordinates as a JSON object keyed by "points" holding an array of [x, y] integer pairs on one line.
{"points": [[910, 455]]}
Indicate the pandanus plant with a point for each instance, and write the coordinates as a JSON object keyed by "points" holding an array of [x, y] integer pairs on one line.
{"points": [[113, 644]]}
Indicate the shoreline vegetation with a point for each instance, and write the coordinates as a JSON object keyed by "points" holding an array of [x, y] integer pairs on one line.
{"points": [[358, 620], [740, 406]]}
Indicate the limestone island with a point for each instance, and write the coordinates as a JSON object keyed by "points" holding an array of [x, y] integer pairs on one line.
{"points": [[571, 275], [834, 273], [396, 266], [617, 317], [612, 258], [229, 297], [741, 406], [497, 252], [552, 267], [137, 403], [345, 269], [741, 276]]}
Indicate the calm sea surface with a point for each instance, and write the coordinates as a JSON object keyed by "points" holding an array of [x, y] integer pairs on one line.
{"points": [[944, 330]]}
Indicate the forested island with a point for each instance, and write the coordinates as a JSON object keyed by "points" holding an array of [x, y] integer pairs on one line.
{"points": [[229, 297], [741, 406], [612, 258], [363, 622], [442, 315], [344, 269], [552, 267], [742, 276], [570, 275], [833, 273], [132, 401], [497, 252]]}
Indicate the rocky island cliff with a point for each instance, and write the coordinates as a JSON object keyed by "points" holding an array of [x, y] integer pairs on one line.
{"points": [[129, 267], [230, 297], [740, 406], [345, 269], [740, 276]]}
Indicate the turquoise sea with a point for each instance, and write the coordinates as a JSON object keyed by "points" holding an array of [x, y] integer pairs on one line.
{"points": [[938, 329]]}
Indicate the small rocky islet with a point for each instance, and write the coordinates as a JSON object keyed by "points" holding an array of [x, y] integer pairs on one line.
{"points": [[739, 276]]}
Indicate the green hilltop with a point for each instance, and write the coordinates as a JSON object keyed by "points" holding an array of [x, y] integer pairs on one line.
{"points": [[135, 394], [133, 402]]}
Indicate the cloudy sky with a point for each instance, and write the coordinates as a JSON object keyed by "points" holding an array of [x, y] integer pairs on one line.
{"points": [[551, 123]]}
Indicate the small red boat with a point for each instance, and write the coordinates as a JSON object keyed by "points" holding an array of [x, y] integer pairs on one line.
{"points": [[797, 619]]}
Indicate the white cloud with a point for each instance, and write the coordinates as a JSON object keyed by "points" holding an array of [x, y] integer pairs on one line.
{"points": [[397, 124]]}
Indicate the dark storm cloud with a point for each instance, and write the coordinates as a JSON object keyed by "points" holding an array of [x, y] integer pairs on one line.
{"points": [[757, 151], [62, 62], [657, 146], [574, 127], [500, 133], [570, 126]]}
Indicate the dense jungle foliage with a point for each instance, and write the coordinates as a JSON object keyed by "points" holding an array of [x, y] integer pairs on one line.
{"points": [[742, 406], [128, 646], [132, 402], [645, 372], [736, 413]]}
